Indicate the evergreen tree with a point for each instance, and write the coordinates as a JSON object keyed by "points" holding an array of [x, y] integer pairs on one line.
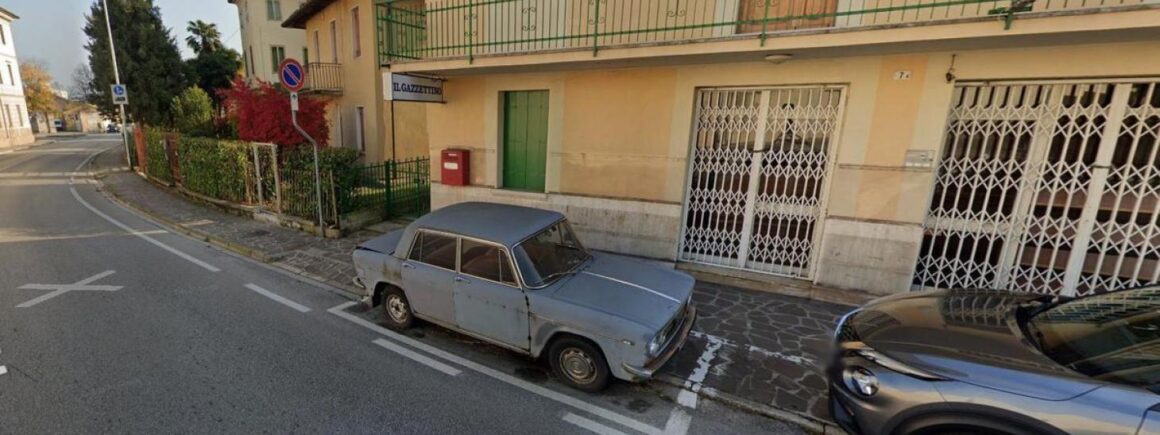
{"points": [[147, 54], [213, 67]]}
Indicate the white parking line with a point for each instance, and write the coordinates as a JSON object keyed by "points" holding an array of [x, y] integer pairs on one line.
{"points": [[278, 298], [140, 234], [418, 357], [590, 425], [503, 377]]}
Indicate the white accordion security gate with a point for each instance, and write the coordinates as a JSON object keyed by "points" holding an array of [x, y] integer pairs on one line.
{"points": [[757, 177], [1047, 187]]}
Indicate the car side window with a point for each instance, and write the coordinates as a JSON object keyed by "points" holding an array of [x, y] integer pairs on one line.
{"points": [[435, 249], [486, 261]]}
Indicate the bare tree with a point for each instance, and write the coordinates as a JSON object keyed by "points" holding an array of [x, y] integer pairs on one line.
{"points": [[82, 83]]}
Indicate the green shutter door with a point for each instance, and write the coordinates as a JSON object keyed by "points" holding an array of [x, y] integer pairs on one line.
{"points": [[525, 140]]}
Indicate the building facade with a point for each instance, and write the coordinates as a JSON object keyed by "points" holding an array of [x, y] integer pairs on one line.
{"points": [[346, 73], [875, 145], [15, 124], [265, 43]]}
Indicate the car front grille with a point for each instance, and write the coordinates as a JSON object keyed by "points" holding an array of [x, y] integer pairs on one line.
{"points": [[675, 325]]}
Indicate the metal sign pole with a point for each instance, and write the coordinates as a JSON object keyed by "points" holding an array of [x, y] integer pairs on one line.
{"points": [[117, 77], [314, 145]]}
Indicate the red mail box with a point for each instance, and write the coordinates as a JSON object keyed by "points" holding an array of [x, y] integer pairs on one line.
{"points": [[456, 165]]}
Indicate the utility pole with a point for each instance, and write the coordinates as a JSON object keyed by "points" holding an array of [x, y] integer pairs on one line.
{"points": [[117, 78]]}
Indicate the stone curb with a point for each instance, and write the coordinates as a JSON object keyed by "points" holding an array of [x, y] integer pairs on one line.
{"points": [[811, 424]]}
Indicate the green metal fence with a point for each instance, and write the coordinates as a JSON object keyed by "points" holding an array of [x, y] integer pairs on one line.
{"points": [[299, 198], [398, 188], [413, 29]]}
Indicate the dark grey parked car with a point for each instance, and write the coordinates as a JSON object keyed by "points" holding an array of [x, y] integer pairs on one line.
{"points": [[519, 278], [973, 361]]}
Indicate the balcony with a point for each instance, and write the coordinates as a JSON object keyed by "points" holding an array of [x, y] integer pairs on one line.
{"points": [[412, 30], [323, 78]]}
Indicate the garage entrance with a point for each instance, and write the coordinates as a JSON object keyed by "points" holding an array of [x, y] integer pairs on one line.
{"points": [[757, 177], [1047, 187]]}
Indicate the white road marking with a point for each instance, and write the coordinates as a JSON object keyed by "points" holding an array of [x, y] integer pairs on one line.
{"points": [[60, 289], [679, 422], [278, 298], [420, 358], [796, 359], [502, 377], [142, 235], [122, 226], [591, 425]]}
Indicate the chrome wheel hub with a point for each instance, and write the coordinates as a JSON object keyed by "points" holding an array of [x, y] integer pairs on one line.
{"points": [[578, 365], [396, 308]]}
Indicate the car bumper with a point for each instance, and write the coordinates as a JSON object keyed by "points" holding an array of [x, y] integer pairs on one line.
{"points": [[647, 372]]}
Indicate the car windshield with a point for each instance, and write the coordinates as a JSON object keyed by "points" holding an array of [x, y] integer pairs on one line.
{"points": [[550, 254], [1113, 337]]}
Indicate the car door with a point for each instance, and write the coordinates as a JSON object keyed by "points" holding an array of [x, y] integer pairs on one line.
{"points": [[429, 275], [488, 299]]}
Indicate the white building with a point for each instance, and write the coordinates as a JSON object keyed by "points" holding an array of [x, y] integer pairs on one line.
{"points": [[265, 43], [15, 128]]}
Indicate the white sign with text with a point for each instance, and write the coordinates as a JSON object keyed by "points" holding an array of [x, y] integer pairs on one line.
{"points": [[403, 87]]}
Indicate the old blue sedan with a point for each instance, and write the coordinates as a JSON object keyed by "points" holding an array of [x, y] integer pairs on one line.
{"points": [[519, 277]]}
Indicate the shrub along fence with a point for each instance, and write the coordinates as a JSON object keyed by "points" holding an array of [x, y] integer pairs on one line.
{"points": [[156, 156], [256, 175]]}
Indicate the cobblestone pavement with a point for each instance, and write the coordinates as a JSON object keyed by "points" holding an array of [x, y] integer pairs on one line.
{"points": [[762, 347], [759, 347]]}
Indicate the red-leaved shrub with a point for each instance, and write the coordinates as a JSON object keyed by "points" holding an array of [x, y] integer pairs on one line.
{"points": [[262, 114]]}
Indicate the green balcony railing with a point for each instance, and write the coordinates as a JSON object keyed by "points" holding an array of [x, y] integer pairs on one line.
{"points": [[417, 29]]}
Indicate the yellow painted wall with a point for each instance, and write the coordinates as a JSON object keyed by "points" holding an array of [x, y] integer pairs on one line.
{"points": [[621, 148], [363, 84], [625, 133]]}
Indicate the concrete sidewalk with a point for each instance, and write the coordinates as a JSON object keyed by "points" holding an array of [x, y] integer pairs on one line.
{"points": [[757, 350]]}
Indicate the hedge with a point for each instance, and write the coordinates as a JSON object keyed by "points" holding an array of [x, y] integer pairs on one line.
{"points": [[216, 168], [156, 161]]}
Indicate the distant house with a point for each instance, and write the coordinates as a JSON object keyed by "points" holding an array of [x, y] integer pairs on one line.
{"points": [[264, 42], [15, 128], [81, 117]]}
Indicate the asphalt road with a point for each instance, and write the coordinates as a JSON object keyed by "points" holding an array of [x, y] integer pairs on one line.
{"points": [[110, 323]]}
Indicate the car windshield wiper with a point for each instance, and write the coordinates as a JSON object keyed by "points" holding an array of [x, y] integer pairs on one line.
{"points": [[555, 275]]}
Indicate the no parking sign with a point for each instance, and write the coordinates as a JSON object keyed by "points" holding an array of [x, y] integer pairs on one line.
{"points": [[292, 74]]}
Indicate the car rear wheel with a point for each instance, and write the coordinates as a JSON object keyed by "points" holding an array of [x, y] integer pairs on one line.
{"points": [[398, 309], [579, 364]]}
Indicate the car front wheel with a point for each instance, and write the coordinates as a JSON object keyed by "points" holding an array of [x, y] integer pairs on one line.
{"points": [[398, 309], [579, 364]]}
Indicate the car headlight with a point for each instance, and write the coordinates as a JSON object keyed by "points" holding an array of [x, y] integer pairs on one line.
{"points": [[861, 380], [654, 345], [890, 363]]}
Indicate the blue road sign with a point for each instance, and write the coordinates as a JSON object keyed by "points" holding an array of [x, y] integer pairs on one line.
{"points": [[292, 74], [120, 94]]}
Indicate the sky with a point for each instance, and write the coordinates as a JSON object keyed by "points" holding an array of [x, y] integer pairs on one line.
{"points": [[50, 30]]}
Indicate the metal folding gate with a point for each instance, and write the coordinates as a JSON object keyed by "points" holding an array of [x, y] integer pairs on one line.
{"points": [[757, 177], [1047, 187]]}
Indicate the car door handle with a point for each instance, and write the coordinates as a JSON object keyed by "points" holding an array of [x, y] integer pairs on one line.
{"points": [[408, 266], [462, 280]]}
